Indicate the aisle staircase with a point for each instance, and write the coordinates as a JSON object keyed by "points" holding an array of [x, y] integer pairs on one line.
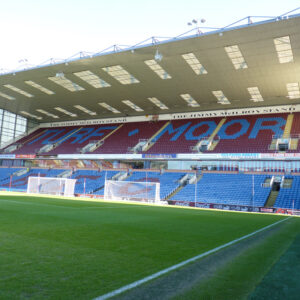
{"points": [[174, 192], [150, 141], [292, 141], [188, 180], [94, 145], [211, 138], [271, 199], [288, 126], [209, 143], [293, 144], [50, 147]]}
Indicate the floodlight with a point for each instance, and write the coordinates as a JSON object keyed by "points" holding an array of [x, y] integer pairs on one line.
{"points": [[60, 74], [158, 56]]}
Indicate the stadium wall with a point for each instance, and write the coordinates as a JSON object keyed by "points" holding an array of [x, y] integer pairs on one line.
{"points": [[189, 115]]}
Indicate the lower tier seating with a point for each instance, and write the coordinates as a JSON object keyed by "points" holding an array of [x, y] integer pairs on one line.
{"points": [[289, 197], [19, 183], [168, 181], [213, 188], [236, 189], [91, 181]]}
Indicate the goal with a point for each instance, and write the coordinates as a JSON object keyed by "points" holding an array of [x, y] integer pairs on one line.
{"points": [[51, 186], [132, 191]]}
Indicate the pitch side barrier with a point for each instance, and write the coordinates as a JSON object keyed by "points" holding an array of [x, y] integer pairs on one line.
{"points": [[233, 207], [228, 207]]}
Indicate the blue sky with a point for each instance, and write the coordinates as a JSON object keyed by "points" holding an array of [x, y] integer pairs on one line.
{"points": [[37, 30]]}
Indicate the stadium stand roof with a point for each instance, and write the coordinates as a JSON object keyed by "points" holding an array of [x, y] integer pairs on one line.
{"points": [[253, 65]]}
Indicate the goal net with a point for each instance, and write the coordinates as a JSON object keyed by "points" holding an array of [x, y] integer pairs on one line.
{"points": [[51, 186], [132, 191]]}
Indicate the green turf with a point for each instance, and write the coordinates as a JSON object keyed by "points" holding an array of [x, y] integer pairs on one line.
{"points": [[64, 249], [282, 281], [240, 277]]}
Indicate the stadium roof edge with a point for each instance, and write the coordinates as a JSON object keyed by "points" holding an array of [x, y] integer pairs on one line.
{"points": [[156, 41]]}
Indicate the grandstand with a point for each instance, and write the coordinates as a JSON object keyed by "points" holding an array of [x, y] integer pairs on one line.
{"points": [[174, 159], [202, 120]]}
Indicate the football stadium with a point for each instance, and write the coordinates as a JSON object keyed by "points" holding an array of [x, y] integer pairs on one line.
{"points": [[169, 169]]}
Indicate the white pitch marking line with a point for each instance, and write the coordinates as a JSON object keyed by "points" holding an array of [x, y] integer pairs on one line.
{"points": [[53, 205], [181, 264]]}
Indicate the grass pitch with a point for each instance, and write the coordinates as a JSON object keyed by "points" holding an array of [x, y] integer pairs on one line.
{"points": [[54, 248]]}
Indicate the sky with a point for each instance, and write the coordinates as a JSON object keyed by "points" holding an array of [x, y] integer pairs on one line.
{"points": [[33, 31]]}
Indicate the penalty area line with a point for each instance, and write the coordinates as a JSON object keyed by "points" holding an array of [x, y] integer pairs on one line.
{"points": [[181, 264]]}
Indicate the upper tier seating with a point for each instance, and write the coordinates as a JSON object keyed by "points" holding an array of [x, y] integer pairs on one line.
{"points": [[69, 139], [26, 140], [33, 142], [128, 136], [240, 134], [180, 135], [258, 137], [295, 130]]}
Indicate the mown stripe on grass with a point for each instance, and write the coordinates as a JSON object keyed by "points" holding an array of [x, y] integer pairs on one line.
{"points": [[54, 205], [183, 263], [282, 281]]}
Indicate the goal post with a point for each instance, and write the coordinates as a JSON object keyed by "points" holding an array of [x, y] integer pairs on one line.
{"points": [[132, 191], [51, 186]]}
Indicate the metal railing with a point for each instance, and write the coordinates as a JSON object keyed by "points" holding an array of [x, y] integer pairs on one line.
{"points": [[290, 136]]}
